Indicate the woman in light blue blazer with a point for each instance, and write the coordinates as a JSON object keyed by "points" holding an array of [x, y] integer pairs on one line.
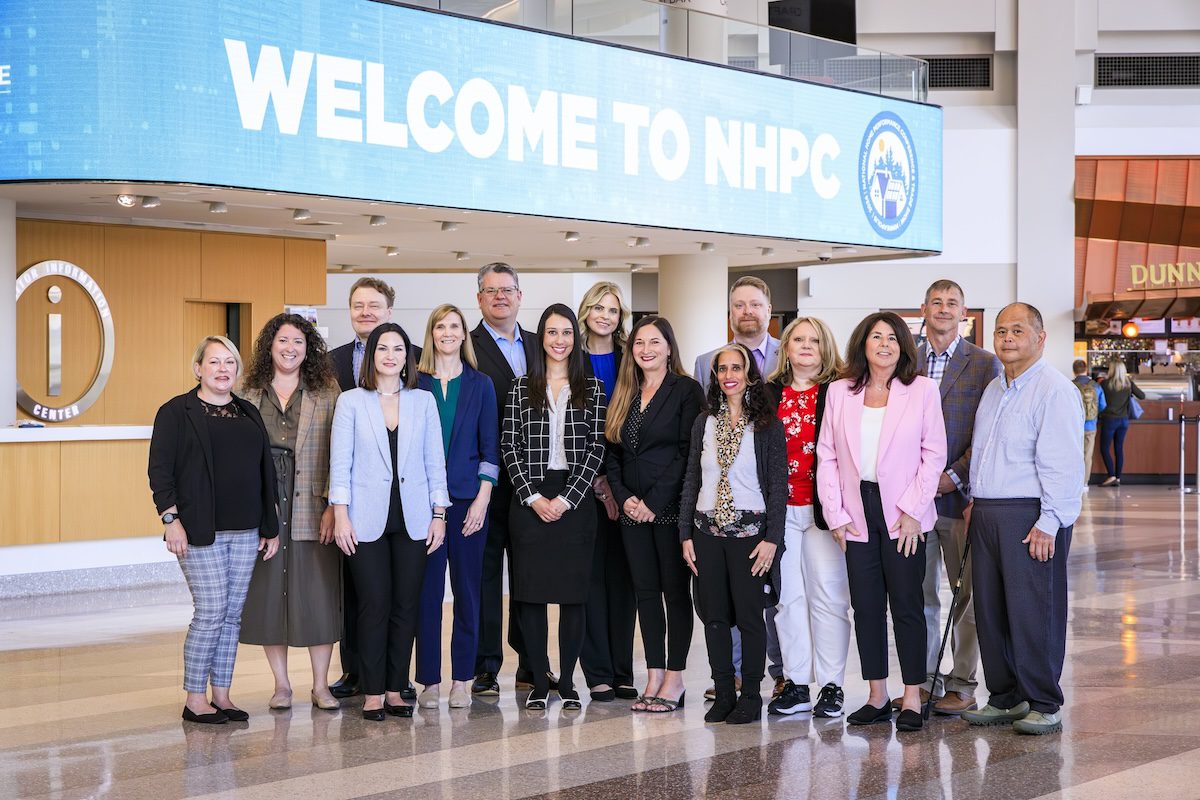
{"points": [[387, 478]]}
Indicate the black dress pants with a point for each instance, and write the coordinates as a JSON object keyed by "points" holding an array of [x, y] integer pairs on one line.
{"points": [[348, 646], [660, 577], [535, 628], [879, 577], [611, 609], [388, 574], [489, 655], [728, 595], [1020, 605]]}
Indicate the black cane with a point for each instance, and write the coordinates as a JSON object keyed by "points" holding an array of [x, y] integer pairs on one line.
{"points": [[927, 706]]}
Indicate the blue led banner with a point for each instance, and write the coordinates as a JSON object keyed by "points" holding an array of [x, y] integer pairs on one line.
{"points": [[358, 99]]}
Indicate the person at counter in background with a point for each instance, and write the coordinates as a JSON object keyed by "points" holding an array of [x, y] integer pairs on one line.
{"points": [[1093, 404], [1114, 419], [213, 481], [295, 599]]}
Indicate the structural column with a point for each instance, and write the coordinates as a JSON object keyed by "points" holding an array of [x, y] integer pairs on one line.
{"points": [[8, 311], [693, 294], [1046, 169]]}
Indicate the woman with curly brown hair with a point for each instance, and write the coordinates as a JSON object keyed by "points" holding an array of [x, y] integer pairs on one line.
{"points": [[295, 599]]}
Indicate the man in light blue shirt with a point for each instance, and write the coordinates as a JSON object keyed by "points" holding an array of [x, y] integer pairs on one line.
{"points": [[1026, 470]]}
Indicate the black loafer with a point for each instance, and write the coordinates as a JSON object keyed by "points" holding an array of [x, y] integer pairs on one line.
{"points": [[909, 721], [215, 718], [605, 696], [627, 693], [374, 714], [409, 692], [485, 685], [234, 714], [869, 715], [345, 686], [404, 712]]}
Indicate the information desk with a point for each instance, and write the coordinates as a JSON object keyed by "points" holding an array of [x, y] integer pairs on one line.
{"points": [[75, 483]]}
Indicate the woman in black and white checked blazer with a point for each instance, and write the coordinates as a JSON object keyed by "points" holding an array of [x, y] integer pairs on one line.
{"points": [[552, 444]]}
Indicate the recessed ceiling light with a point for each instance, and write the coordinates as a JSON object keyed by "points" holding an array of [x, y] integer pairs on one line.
{"points": [[637, 241], [767, 251], [150, 201], [449, 227], [217, 208], [845, 251], [392, 251], [301, 214], [127, 200], [707, 247], [459, 255], [375, 220], [571, 236], [636, 267], [590, 264]]}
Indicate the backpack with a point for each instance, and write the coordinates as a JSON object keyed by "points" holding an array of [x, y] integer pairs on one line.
{"points": [[1091, 405]]}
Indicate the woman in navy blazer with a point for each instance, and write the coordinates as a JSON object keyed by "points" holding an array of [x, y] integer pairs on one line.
{"points": [[387, 476], [466, 404]]}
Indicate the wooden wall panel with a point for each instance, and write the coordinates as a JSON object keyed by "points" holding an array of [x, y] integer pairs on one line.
{"points": [[246, 269], [81, 244], [105, 491], [29, 493], [147, 281], [199, 320], [304, 272]]}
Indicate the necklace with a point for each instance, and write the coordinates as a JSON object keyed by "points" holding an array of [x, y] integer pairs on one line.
{"points": [[387, 394]]}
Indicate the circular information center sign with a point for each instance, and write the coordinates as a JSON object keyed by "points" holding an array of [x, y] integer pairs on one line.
{"points": [[71, 272]]}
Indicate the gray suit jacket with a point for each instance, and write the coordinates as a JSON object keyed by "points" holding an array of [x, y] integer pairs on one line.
{"points": [[969, 372], [360, 464], [704, 362]]}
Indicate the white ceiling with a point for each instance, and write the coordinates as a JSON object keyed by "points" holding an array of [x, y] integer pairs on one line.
{"points": [[530, 243]]}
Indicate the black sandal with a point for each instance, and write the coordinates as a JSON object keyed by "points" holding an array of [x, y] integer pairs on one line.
{"points": [[665, 706]]}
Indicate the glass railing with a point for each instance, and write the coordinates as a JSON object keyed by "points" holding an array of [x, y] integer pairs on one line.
{"points": [[717, 39]]}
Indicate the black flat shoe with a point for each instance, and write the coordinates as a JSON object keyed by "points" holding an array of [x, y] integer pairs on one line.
{"points": [[627, 693], [748, 709], [234, 714], [909, 721], [536, 702], [605, 696], [373, 714], [404, 712], [570, 699], [869, 715], [485, 685], [345, 686], [215, 718], [409, 692]]}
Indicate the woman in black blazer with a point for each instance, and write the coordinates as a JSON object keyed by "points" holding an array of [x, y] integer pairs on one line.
{"points": [[213, 480], [813, 618], [649, 427], [553, 444]]}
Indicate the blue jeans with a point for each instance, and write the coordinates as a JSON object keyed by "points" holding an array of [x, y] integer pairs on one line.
{"points": [[1112, 437]]}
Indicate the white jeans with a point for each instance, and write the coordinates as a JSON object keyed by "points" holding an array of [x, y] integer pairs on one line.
{"points": [[813, 616]]}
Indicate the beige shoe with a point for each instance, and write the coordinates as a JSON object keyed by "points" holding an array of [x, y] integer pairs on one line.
{"points": [[460, 698], [280, 701], [430, 698]]}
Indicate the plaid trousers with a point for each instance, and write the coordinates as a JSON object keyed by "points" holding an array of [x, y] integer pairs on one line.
{"points": [[219, 577]]}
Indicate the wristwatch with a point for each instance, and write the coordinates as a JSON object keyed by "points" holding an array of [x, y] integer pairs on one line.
{"points": [[440, 515], [169, 517]]}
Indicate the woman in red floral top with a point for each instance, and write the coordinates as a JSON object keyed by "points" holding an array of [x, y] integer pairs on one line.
{"points": [[813, 615]]}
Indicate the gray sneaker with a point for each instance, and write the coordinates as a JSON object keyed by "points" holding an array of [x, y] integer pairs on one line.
{"points": [[1036, 723], [990, 715]]}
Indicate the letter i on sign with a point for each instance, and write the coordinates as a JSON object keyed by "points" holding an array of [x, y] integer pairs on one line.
{"points": [[54, 345]]}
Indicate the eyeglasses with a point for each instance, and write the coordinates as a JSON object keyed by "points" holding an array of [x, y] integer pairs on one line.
{"points": [[507, 291]]}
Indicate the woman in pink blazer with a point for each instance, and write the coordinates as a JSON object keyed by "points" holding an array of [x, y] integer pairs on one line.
{"points": [[880, 452]]}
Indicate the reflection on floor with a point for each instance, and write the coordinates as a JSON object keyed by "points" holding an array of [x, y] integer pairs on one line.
{"points": [[90, 702]]}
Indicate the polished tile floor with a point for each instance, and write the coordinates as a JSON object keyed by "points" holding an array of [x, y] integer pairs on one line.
{"points": [[90, 702]]}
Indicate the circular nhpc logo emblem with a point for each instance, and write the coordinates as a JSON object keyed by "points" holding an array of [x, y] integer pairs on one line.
{"points": [[66, 271], [887, 175]]}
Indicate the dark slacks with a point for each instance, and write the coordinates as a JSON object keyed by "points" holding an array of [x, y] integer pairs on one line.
{"points": [[348, 646], [387, 576], [881, 577], [465, 557], [728, 595], [1112, 444], [660, 577], [489, 656], [535, 628], [611, 609], [1020, 605]]}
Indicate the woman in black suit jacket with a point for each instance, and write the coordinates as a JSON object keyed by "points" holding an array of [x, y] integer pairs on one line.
{"points": [[653, 409], [553, 444], [213, 480]]}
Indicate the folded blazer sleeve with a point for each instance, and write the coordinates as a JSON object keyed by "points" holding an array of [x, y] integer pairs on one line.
{"points": [[341, 448], [489, 436], [829, 484], [583, 473], [512, 442], [919, 494], [164, 444], [691, 480], [666, 488], [434, 455]]}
